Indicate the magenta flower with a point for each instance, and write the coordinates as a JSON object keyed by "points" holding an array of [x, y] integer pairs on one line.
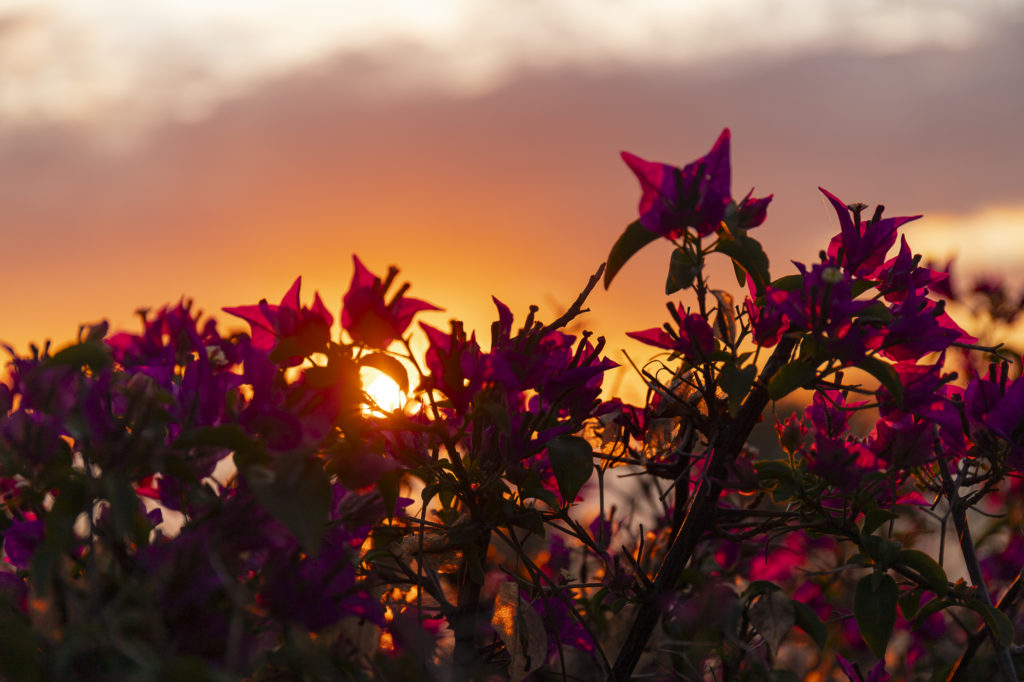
{"points": [[694, 196], [861, 248], [368, 318], [311, 328], [902, 274], [926, 393], [21, 540], [920, 326], [694, 338]]}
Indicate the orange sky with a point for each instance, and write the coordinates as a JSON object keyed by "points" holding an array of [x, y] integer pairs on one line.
{"points": [[514, 189]]}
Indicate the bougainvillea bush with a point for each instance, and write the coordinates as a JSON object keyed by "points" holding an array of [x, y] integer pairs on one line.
{"points": [[178, 503]]}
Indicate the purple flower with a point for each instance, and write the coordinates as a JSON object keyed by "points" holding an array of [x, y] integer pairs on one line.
{"points": [[825, 305], [905, 442], [861, 248], [926, 393], [310, 328], [21, 541], [368, 318], [696, 195], [694, 337], [1007, 420], [901, 275], [318, 591], [458, 368], [920, 326]]}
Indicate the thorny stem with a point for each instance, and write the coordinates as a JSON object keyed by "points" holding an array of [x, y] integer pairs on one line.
{"points": [[726, 447], [963, 531], [974, 642]]}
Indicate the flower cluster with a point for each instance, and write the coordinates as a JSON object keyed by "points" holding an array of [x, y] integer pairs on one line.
{"points": [[182, 503]]}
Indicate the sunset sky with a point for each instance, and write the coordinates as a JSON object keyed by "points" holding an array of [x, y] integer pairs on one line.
{"points": [[151, 149]]}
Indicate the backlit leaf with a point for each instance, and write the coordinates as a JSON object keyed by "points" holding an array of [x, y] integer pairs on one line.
{"points": [[521, 629], [390, 365], [772, 615]]}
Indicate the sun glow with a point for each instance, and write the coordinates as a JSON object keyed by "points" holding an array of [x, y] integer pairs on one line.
{"points": [[382, 390]]}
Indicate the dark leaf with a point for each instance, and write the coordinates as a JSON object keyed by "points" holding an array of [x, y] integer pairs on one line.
{"points": [[747, 253], [632, 240], [874, 607], [94, 354], [886, 376], [390, 365], [773, 617], [572, 462], [929, 569], [998, 623], [682, 268], [805, 617], [736, 383], [875, 518], [790, 377]]}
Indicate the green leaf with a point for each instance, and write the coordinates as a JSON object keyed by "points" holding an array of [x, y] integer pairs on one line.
{"points": [[777, 478], [885, 374], [498, 414], [875, 518], [932, 606], [747, 253], [124, 504], [736, 383], [299, 497], [682, 269], [874, 607], [790, 377], [883, 550], [928, 567], [390, 365], [632, 240], [228, 436], [757, 588], [388, 486], [910, 603], [877, 311], [998, 623], [540, 493], [788, 282], [859, 286], [805, 617], [572, 462], [94, 354]]}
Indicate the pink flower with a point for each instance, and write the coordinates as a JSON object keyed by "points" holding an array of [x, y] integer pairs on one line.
{"points": [[694, 338], [696, 195], [310, 328], [368, 318]]}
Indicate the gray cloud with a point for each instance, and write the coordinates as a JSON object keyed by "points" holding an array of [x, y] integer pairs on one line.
{"points": [[515, 191]]}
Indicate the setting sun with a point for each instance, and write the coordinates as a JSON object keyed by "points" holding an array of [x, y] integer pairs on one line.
{"points": [[382, 390]]}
